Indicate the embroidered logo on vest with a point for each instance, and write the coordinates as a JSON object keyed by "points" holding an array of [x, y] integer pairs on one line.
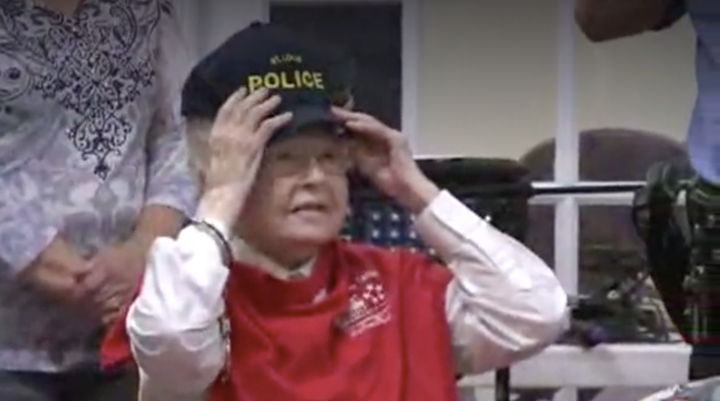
{"points": [[368, 306]]}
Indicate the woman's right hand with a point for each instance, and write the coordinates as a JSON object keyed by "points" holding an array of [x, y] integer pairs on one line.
{"points": [[235, 146]]}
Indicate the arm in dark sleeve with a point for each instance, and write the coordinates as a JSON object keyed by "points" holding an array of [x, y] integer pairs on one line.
{"points": [[674, 12], [604, 20]]}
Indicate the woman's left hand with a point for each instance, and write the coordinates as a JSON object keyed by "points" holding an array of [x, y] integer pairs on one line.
{"points": [[383, 155]]}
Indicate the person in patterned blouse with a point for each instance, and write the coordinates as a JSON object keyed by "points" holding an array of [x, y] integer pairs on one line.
{"points": [[93, 167]]}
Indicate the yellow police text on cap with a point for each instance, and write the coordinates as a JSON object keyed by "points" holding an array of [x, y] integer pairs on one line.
{"points": [[294, 79]]}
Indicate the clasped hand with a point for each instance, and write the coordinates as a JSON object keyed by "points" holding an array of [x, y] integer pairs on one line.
{"points": [[101, 286], [113, 278]]}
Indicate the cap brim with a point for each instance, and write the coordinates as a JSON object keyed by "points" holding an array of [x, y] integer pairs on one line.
{"points": [[310, 116]]}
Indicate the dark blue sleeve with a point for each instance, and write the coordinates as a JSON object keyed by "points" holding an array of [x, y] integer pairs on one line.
{"points": [[675, 11]]}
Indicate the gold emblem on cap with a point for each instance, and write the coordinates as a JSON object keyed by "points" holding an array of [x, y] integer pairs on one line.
{"points": [[286, 58]]}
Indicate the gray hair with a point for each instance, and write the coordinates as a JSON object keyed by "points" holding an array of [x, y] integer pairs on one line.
{"points": [[198, 131]]}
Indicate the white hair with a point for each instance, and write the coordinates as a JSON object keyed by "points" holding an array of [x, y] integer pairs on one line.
{"points": [[198, 131]]}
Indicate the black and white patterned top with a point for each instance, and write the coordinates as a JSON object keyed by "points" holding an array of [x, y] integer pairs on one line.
{"points": [[89, 134]]}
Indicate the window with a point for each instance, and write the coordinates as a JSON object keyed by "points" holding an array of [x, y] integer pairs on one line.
{"points": [[590, 239], [607, 245]]}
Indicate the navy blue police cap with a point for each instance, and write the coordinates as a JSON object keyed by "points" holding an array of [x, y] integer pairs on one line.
{"points": [[308, 76]]}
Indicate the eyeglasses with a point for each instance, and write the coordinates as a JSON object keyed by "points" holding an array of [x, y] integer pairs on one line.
{"points": [[295, 162]]}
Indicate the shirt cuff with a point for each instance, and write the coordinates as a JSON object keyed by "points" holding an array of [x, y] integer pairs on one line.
{"points": [[183, 284], [191, 240], [674, 12], [447, 224]]}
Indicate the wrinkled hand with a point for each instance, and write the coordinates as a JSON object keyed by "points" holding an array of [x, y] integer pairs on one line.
{"points": [[115, 274], [235, 146], [384, 156], [238, 136], [58, 272]]}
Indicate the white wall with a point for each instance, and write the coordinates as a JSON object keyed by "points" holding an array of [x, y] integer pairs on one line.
{"points": [[643, 82], [487, 76], [208, 23], [487, 73], [489, 83]]}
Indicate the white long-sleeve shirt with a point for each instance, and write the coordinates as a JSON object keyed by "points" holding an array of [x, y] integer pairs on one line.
{"points": [[503, 304]]}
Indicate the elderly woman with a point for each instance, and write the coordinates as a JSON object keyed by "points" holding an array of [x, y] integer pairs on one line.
{"points": [[295, 313]]}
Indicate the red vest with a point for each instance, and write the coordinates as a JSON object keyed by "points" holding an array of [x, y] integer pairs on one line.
{"points": [[368, 325]]}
